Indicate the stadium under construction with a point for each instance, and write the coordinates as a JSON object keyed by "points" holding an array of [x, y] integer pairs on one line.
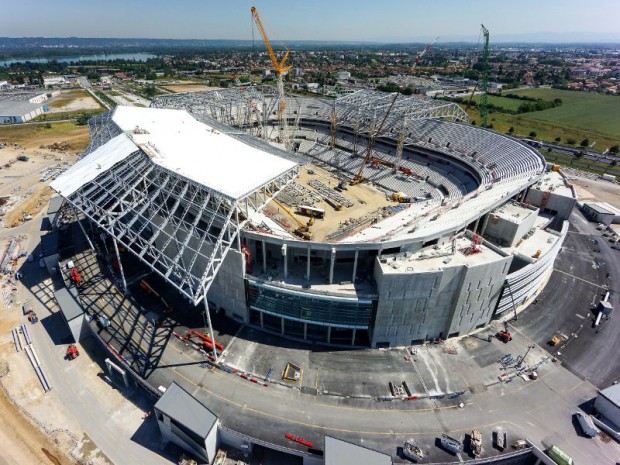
{"points": [[369, 220]]}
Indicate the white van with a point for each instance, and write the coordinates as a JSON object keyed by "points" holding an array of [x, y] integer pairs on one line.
{"points": [[586, 423]]}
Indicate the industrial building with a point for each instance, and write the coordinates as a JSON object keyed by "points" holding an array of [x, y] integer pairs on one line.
{"points": [[607, 404], [19, 107], [369, 220], [601, 212], [184, 421]]}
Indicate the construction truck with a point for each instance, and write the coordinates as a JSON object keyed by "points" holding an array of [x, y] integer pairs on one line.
{"points": [[401, 197]]}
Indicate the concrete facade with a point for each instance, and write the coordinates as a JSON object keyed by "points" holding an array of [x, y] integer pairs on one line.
{"points": [[508, 224], [227, 292], [417, 305], [553, 194]]}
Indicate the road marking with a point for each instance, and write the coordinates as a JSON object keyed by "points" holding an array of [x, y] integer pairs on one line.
{"points": [[341, 430], [581, 279], [576, 386]]}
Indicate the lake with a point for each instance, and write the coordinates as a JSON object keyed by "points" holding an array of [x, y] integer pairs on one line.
{"points": [[100, 57]]}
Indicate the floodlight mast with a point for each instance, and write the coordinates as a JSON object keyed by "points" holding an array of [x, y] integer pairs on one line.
{"points": [[280, 67]]}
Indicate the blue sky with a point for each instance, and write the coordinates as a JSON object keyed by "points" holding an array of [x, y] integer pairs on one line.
{"points": [[360, 20]]}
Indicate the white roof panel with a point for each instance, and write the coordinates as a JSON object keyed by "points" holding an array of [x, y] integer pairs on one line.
{"points": [[339, 452], [91, 166], [178, 142]]}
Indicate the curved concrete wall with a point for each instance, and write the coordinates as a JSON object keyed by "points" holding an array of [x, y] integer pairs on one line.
{"points": [[528, 281]]}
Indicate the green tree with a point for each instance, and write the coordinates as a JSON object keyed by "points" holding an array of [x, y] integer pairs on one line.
{"points": [[150, 92], [533, 134], [82, 120], [585, 142], [570, 141], [511, 130], [614, 149], [558, 139]]}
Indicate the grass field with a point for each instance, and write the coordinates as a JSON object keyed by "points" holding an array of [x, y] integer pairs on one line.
{"points": [[582, 115], [596, 113], [503, 102], [32, 136]]}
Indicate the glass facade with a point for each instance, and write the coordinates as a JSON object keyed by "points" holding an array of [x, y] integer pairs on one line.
{"points": [[310, 308]]}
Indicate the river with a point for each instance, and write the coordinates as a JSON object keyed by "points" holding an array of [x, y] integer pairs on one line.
{"points": [[100, 57]]}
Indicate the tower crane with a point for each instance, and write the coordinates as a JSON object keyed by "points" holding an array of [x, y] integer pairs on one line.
{"points": [[484, 81], [279, 67], [401, 136], [372, 139], [423, 52]]}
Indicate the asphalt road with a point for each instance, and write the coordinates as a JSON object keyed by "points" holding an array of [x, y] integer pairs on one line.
{"points": [[567, 306]]}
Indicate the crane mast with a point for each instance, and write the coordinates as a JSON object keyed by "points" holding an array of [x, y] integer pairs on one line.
{"points": [[372, 139], [484, 80], [279, 67]]}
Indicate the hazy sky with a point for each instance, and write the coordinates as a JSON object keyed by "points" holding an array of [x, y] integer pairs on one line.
{"points": [[370, 20]]}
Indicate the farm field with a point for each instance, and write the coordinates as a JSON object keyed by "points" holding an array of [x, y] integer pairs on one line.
{"points": [[582, 115], [596, 113]]}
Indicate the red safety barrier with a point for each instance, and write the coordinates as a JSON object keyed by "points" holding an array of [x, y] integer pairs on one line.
{"points": [[299, 440]]}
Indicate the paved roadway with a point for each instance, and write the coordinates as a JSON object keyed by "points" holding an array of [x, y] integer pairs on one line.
{"points": [[567, 305]]}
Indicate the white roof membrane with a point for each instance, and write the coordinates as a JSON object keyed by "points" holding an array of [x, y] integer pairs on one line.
{"points": [[178, 142], [88, 168]]}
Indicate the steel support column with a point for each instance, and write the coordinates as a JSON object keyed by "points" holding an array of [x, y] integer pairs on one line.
{"points": [[120, 265], [211, 333]]}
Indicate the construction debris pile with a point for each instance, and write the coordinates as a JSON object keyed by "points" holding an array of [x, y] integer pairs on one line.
{"points": [[59, 147], [353, 224]]}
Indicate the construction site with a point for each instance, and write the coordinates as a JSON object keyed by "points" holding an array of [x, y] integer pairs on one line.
{"points": [[248, 276]]}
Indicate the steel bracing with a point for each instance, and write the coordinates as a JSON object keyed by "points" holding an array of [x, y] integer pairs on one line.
{"points": [[182, 230], [254, 109]]}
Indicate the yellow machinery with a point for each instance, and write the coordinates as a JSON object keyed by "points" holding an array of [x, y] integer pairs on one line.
{"points": [[279, 67], [400, 197], [303, 229]]}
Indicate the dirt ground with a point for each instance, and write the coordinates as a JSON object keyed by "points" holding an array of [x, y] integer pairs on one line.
{"points": [[599, 191], [72, 100], [20, 181], [189, 88], [365, 199], [23, 443]]}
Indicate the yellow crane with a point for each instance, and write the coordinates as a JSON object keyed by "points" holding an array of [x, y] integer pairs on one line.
{"points": [[279, 67]]}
